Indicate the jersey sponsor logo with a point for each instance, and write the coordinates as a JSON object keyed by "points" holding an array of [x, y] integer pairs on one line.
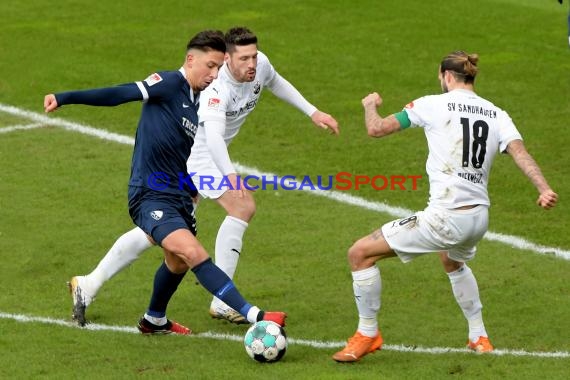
{"points": [[256, 88], [248, 107], [410, 105], [153, 79], [213, 103], [156, 215], [189, 127]]}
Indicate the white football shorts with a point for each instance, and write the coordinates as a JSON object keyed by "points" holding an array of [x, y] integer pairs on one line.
{"points": [[208, 179], [437, 229]]}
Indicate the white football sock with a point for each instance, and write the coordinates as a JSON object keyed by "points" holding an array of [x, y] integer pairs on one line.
{"points": [[126, 249], [228, 248], [252, 314], [156, 321], [367, 286], [466, 292]]}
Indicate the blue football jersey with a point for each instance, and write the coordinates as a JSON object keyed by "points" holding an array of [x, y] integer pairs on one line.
{"points": [[166, 128], [165, 134]]}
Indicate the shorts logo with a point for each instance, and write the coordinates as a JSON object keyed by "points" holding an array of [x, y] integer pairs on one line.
{"points": [[156, 215], [153, 79], [213, 103]]}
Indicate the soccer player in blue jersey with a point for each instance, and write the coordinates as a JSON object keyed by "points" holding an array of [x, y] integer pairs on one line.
{"points": [[164, 138], [224, 108]]}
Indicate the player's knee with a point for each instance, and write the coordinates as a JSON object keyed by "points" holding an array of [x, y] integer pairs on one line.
{"points": [[194, 255], [175, 264], [449, 265], [356, 254], [182, 257], [243, 208], [249, 209]]}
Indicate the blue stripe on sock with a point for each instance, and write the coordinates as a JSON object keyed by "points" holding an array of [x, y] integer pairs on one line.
{"points": [[245, 309]]}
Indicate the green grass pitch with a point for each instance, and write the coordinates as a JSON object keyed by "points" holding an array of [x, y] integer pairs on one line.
{"points": [[63, 193]]}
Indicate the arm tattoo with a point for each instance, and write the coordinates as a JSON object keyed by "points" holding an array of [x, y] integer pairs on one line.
{"points": [[528, 165], [377, 235]]}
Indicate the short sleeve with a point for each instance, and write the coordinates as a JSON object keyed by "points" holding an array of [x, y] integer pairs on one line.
{"points": [[420, 111], [507, 131]]}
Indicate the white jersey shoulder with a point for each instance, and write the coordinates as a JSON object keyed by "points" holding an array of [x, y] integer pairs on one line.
{"points": [[464, 133], [230, 102]]}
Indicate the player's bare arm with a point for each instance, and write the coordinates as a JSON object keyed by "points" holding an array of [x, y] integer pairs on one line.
{"points": [[547, 198], [325, 121], [375, 124]]}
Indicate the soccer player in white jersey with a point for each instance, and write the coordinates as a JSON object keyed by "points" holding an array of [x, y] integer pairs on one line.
{"points": [[464, 132], [224, 107]]}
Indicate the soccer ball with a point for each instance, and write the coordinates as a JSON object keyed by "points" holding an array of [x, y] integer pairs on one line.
{"points": [[265, 341]]}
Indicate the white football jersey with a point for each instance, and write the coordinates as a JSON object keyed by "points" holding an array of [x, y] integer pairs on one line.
{"points": [[231, 102], [464, 132]]}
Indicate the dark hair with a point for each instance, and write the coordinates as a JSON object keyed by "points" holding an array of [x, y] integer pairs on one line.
{"points": [[208, 40], [463, 66], [239, 36]]}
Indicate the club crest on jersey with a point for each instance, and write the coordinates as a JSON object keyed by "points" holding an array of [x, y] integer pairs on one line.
{"points": [[410, 105], [213, 103], [156, 215], [256, 88], [153, 79], [189, 127]]}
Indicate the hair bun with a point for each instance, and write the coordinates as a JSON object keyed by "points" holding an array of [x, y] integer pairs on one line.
{"points": [[473, 58]]}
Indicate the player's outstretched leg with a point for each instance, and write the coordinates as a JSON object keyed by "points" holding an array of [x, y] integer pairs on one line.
{"points": [[83, 289], [220, 285]]}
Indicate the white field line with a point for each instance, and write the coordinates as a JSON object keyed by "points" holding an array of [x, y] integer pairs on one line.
{"points": [[75, 127], [396, 212], [13, 128], [292, 341]]}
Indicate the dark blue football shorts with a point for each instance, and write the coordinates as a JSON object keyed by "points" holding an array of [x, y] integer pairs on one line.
{"points": [[159, 214]]}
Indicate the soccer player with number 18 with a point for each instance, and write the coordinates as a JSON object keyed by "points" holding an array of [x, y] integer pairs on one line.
{"points": [[464, 132]]}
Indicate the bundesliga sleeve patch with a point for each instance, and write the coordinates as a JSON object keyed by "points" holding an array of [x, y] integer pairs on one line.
{"points": [[410, 105], [153, 79], [213, 103]]}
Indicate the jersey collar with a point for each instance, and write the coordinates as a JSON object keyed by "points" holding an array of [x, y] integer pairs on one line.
{"points": [[229, 76], [194, 100]]}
